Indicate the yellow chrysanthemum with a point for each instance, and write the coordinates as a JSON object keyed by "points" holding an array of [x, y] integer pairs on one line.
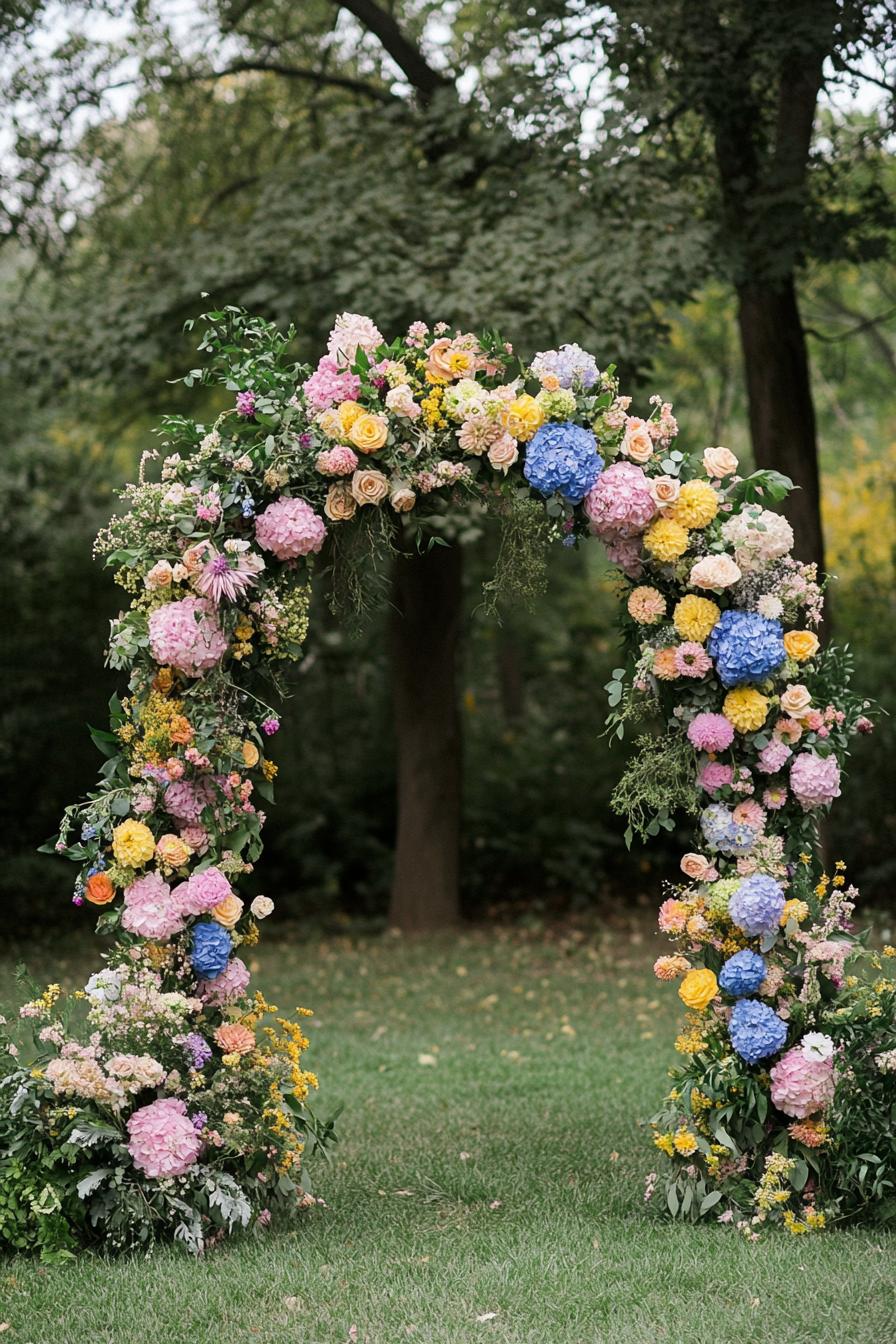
{"points": [[745, 708], [133, 844], [666, 540], [698, 989], [685, 1142], [695, 617], [665, 1143], [801, 645], [794, 909], [697, 504]]}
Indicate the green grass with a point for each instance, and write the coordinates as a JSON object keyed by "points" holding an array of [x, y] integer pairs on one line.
{"points": [[505, 1179]]}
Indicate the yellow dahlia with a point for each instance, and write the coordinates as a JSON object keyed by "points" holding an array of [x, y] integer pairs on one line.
{"points": [[666, 540], [133, 844], [697, 504], [695, 617], [745, 708], [685, 1142]]}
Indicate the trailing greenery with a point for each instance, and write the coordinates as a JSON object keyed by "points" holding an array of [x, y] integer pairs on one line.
{"points": [[657, 783]]}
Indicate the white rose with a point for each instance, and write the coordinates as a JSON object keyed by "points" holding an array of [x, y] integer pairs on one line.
{"points": [[261, 907], [400, 401], [714, 571]]}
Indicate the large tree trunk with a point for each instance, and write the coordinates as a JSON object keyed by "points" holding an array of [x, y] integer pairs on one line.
{"points": [[782, 415], [425, 628]]}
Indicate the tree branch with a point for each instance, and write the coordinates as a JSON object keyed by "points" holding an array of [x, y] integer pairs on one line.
{"points": [[286, 72], [408, 57]]}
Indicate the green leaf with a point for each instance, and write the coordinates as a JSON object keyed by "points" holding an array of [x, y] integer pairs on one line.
{"points": [[710, 1201]]}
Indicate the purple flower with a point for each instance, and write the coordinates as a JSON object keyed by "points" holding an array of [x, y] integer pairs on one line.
{"points": [[197, 1048], [245, 404], [270, 726], [199, 1121]]}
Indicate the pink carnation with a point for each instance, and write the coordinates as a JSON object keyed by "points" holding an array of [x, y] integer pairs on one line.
{"points": [[289, 528], [802, 1084], [149, 910], [775, 797], [186, 635], [620, 504], [202, 891], [226, 987], [692, 660], [163, 1140], [330, 384], [815, 780], [185, 800], [710, 732], [773, 757], [715, 776], [339, 461]]}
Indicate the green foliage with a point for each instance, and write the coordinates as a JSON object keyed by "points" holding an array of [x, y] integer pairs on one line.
{"points": [[658, 782]]}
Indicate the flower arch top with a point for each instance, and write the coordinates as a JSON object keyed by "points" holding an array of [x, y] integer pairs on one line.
{"points": [[216, 556]]}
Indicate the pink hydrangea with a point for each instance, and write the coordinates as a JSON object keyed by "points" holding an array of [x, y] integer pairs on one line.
{"points": [[186, 635], [202, 891], [149, 910], [163, 1140], [620, 504], [625, 554], [330, 384], [715, 776], [802, 1084], [692, 660], [289, 528], [231, 984], [338, 461], [351, 331], [185, 800], [773, 757], [815, 780], [710, 732]]}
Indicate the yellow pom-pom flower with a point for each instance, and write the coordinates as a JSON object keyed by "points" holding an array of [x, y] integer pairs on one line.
{"points": [[698, 989], [696, 506], [695, 617], [746, 709], [133, 844], [794, 909], [666, 540], [801, 645]]}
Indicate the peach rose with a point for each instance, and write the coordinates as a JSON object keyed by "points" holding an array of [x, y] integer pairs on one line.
{"points": [[227, 912], [193, 557], [235, 1039], [340, 503], [369, 487], [438, 359], [250, 754], [801, 645], [719, 462], [160, 576], [402, 499], [714, 571], [796, 701], [695, 866], [368, 433], [172, 851], [665, 490], [637, 443], [331, 424], [503, 453]]}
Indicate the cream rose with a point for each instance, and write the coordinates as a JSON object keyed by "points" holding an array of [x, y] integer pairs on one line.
{"points": [[400, 401], [227, 912], [719, 462], [665, 490], [796, 701], [714, 571], [637, 443], [503, 453], [261, 907], [695, 866], [340, 502], [369, 487], [369, 432], [402, 499], [331, 424]]}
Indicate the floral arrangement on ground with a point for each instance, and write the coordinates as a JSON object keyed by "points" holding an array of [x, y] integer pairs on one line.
{"points": [[166, 1100]]}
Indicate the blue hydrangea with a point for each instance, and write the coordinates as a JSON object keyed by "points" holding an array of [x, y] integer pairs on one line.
{"points": [[563, 457], [746, 647], [210, 949], [723, 834], [756, 1030], [742, 974], [757, 904], [570, 363]]}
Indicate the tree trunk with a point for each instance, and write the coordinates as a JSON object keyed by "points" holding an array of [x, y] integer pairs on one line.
{"points": [[782, 415], [425, 629]]}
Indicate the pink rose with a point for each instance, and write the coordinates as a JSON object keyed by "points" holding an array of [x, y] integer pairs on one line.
{"points": [[503, 453], [695, 866], [719, 462], [665, 490]]}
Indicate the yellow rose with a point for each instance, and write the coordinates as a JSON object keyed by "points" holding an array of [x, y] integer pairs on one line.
{"points": [[695, 618], [368, 432], [666, 540], [698, 989], [801, 645], [696, 506], [250, 754], [228, 911], [349, 412], [522, 417], [745, 708], [133, 844]]}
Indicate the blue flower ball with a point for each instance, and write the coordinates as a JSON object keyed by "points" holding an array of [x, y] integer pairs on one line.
{"points": [[742, 974], [756, 1030], [210, 949], [563, 459], [746, 647], [757, 904]]}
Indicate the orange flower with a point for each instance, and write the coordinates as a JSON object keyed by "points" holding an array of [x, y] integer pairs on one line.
{"points": [[163, 680], [181, 730], [235, 1039], [99, 889]]}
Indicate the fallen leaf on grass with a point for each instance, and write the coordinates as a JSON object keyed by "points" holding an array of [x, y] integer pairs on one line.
{"points": [[486, 1316], [427, 1060]]}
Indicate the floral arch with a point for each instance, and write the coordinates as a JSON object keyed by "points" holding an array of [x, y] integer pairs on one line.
{"points": [[180, 1108]]}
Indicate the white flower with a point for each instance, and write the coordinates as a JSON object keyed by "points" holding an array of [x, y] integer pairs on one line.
{"points": [[104, 986], [758, 536], [816, 1045], [770, 606], [261, 907]]}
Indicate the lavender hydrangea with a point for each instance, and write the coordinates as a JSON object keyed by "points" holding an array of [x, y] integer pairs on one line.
{"points": [[746, 647], [197, 1049], [757, 905], [571, 365], [563, 458], [723, 834], [742, 974], [756, 1031]]}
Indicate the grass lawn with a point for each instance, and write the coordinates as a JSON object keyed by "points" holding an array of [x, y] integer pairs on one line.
{"points": [[488, 1183]]}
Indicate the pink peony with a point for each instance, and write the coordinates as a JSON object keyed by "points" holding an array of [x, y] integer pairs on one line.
{"points": [[201, 891], [186, 799], [330, 384], [620, 504], [692, 660], [163, 1140], [815, 780], [802, 1084], [710, 732], [186, 635], [289, 528], [228, 986], [715, 776], [149, 910], [773, 757], [339, 461]]}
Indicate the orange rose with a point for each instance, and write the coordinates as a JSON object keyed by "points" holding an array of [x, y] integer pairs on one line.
{"points": [[340, 503], [227, 912], [99, 889], [180, 730], [235, 1039]]}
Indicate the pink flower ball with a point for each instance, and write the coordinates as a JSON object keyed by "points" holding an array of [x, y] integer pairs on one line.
{"points": [[710, 732], [802, 1084], [773, 757], [149, 910], [231, 984], [620, 504], [750, 813], [186, 635], [202, 891], [339, 461], [715, 776], [625, 554], [186, 799], [196, 837], [290, 528], [163, 1141], [814, 780], [330, 384]]}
